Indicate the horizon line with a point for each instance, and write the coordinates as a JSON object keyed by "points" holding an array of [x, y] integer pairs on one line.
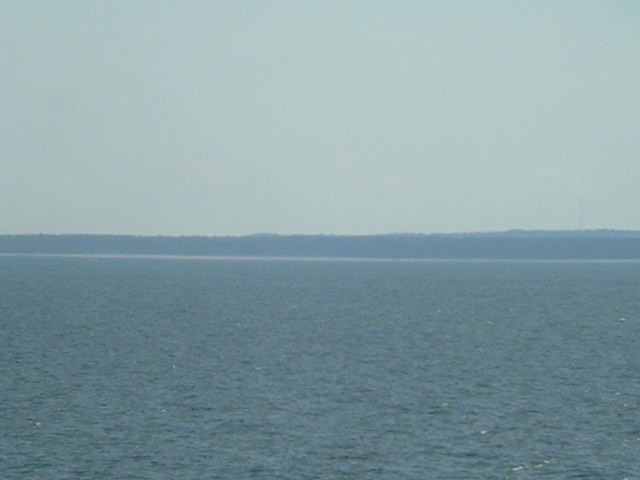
{"points": [[351, 235]]}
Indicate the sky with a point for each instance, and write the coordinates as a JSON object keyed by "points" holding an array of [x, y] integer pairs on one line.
{"points": [[318, 117]]}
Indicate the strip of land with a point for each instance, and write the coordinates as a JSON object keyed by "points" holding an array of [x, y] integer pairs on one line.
{"points": [[515, 244]]}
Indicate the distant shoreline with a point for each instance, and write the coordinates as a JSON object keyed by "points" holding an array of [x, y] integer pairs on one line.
{"points": [[201, 258], [510, 245]]}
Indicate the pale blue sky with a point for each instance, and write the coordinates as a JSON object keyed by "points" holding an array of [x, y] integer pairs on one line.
{"points": [[346, 117]]}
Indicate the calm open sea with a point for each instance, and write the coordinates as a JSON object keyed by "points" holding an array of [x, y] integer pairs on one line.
{"points": [[150, 368]]}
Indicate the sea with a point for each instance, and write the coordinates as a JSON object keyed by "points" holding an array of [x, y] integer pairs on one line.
{"points": [[211, 368]]}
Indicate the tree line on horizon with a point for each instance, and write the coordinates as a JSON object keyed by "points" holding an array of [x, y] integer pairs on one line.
{"points": [[514, 244]]}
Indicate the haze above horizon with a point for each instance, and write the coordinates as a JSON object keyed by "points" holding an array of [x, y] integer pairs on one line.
{"points": [[333, 117]]}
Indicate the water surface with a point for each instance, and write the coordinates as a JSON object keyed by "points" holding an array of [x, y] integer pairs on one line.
{"points": [[123, 368]]}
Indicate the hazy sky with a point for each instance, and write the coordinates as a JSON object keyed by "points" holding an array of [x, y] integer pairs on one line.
{"points": [[347, 117]]}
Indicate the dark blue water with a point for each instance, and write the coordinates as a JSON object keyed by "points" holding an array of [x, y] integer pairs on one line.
{"points": [[114, 368]]}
